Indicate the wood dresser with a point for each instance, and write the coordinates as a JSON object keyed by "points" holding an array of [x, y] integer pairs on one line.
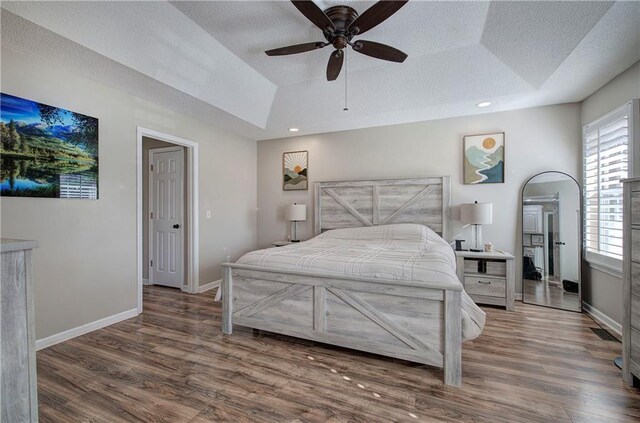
{"points": [[18, 387], [631, 281]]}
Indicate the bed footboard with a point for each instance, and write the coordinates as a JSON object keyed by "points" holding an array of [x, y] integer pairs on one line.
{"points": [[413, 321]]}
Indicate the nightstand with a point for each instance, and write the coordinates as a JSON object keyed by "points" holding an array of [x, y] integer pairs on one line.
{"points": [[488, 278], [281, 243]]}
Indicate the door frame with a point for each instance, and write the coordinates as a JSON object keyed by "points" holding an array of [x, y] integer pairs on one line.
{"points": [[545, 231], [151, 197], [193, 253]]}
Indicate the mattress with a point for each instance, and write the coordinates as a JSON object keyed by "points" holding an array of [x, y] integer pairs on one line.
{"points": [[406, 252]]}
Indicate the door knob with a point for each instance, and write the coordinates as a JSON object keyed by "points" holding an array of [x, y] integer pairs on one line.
{"points": [[560, 243], [176, 226]]}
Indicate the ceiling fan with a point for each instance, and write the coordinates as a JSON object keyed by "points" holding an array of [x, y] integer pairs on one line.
{"points": [[339, 24]]}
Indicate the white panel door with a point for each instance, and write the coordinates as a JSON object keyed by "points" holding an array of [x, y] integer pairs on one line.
{"points": [[167, 177], [532, 219]]}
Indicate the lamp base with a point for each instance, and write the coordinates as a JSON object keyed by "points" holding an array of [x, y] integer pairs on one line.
{"points": [[476, 238]]}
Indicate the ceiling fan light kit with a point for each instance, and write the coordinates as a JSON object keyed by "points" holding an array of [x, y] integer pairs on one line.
{"points": [[339, 25]]}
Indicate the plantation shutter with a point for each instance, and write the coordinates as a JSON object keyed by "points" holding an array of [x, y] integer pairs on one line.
{"points": [[606, 162]]}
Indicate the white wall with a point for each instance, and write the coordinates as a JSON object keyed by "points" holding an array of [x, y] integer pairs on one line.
{"points": [[614, 94], [85, 267], [603, 291], [537, 139]]}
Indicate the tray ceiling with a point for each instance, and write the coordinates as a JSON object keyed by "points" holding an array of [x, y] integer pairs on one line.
{"points": [[514, 54]]}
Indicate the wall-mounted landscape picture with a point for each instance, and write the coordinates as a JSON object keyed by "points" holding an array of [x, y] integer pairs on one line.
{"points": [[295, 170], [484, 159], [46, 151]]}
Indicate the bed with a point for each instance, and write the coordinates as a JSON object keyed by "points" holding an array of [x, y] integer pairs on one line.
{"points": [[378, 276]]}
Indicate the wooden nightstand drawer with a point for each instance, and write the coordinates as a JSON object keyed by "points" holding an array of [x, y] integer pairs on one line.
{"points": [[496, 268], [471, 266], [481, 285]]}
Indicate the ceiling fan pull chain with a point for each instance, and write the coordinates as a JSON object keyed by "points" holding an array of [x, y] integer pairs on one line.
{"points": [[346, 73]]}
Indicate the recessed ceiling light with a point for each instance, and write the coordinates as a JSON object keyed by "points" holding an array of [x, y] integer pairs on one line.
{"points": [[293, 129], [484, 104]]}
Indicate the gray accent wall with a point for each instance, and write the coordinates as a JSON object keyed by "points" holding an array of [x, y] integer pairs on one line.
{"points": [[602, 290], [537, 139], [85, 266]]}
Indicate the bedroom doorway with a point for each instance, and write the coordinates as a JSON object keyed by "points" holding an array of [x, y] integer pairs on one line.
{"points": [[166, 217], [167, 212]]}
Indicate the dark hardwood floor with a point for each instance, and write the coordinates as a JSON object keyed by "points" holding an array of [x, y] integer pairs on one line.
{"points": [[172, 364]]}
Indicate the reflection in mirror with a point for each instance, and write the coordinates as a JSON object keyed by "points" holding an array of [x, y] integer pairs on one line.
{"points": [[551, 244]]}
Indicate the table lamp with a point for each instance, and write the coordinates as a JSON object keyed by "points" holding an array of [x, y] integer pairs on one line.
{"points": [[476, 214], [296, 213]]}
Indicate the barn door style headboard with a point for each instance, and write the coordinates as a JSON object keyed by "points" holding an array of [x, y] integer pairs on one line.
{"points": [[348, 204]]}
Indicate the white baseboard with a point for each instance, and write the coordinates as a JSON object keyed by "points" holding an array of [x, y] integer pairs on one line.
{"points": [[602, 318], [208, 286], [86, 328], [145, 281]]}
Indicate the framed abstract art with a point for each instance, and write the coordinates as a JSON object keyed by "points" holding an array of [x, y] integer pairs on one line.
{"points": [[295, 170], [484, 158]]}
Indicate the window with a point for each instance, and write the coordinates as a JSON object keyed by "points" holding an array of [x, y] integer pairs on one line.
{"points": [[607, 160]]}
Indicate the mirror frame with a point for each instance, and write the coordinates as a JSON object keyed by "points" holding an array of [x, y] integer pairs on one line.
{"points": [[580, 240]]}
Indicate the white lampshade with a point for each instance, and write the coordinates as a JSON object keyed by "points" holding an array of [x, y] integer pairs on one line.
{"points": [[296, 212], [476, 213]]}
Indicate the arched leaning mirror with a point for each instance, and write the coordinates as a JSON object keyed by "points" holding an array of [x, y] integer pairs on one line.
{"points": [[551, 241]]}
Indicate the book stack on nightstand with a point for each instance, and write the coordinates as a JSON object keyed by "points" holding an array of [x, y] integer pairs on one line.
{"points": [[488, 277]]}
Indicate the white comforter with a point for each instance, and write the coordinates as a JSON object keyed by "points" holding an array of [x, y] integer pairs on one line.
{"points": [[398, 252]]}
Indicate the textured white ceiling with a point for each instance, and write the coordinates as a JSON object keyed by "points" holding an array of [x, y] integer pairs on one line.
{"points": [[536, 45], [28, 39], [515, 54], [156, 40], [249, 28]]}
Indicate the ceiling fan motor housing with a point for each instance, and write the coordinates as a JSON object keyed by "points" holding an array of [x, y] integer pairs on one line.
{"points": [[341, 16]]}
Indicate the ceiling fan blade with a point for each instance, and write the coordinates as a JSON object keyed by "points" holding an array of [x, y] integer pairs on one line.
{"points": [[379, 51], [312, 12], [335, 65], [375, 15], [298, 48]]}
